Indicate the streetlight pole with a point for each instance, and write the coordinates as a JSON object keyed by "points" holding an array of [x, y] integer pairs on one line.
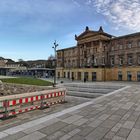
{"points": [[54, 47]]}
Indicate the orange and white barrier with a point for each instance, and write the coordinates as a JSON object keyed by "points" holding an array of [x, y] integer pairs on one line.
{"points": [[15, 104]]}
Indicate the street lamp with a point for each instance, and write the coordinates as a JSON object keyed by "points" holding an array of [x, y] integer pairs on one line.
{"points": [[54, 47]]}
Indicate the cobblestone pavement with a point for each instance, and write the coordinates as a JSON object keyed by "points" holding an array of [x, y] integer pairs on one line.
{"points": [[114, 116]]}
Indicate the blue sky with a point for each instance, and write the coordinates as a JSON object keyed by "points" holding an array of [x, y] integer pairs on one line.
{"points": [[28, 28]]}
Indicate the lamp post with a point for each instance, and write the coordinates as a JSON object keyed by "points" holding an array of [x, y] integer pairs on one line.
{"points": [[54, 47]]}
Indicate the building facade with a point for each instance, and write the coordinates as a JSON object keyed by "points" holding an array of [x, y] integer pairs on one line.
{"points": [[99, 56]]}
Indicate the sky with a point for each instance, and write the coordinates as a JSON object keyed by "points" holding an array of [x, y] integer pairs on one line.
{"points": [[28, 28]]}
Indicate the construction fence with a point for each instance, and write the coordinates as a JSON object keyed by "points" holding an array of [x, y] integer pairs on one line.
{"points": [[20, 103]]}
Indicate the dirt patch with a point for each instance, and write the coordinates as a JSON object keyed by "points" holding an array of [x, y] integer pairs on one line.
{"points": [[10, 89]]}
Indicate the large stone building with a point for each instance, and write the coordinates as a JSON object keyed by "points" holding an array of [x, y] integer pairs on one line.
{"points": [[99, 56]]}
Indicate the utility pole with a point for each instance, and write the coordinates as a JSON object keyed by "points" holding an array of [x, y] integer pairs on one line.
{"points": [[54, 47]]}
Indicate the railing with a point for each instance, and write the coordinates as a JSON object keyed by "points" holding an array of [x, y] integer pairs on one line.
{"points": [[16, 104]]}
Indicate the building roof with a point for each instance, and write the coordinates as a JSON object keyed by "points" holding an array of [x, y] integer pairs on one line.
{"points": [[67, 48], [128, 35], [87, 30]]}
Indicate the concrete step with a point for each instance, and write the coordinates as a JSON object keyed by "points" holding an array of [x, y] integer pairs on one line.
{"points": [[89, 90], [93, 86], [83, 94]]}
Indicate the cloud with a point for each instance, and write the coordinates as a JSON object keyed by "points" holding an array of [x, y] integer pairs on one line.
{"points": [[122, 13]]}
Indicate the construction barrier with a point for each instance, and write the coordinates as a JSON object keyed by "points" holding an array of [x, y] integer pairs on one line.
{"points": [[15, 104]]}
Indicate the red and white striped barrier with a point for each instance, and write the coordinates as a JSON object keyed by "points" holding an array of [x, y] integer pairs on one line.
{"points": [[14, 104], [32, 108], [32, 99]]}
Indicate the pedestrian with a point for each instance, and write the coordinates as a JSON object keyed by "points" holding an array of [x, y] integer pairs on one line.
{"points": [[72, 78], [84, 80]]}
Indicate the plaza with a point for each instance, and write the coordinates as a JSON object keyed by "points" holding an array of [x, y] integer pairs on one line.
{"points": [[112, 116]]}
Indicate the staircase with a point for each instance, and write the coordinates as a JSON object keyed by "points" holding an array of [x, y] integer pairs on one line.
{"points": [[89, 90]]}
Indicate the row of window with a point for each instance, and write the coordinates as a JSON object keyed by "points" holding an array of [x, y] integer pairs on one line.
{"points": [[79, 75], [130, 60], [129, 76], [128, 45], [94, 75], [95, 61]]}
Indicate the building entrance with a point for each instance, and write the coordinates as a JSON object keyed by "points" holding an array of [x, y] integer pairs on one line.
{"points": [[120, 76], [94, 76], [86, 76], [79, 76], [138, 76], [129, 76]]}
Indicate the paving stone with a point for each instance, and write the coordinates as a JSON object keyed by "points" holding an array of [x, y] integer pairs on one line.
{"points": [[33, 136], [128, 124], [116, 127], [77, 137], [101, 108], [65, 137], [120, 112], [125, 117], [118, 138], [53, 128], [115, 108], [68, 128], [65, 116], [33, 129], [128, 105], [72, 119], [133, 117], [95, 123], [110, 135], [85, 131], [56, 135], [75, 112], [106, 139], [138, 108], [134, 134], [2, 135], [123, 132], [94, 112], [73, 132], [45, 138], [15, 136], [108, 124], [97, 134], [115, 118], [80, 121], [137, 124], [103, 117]]}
